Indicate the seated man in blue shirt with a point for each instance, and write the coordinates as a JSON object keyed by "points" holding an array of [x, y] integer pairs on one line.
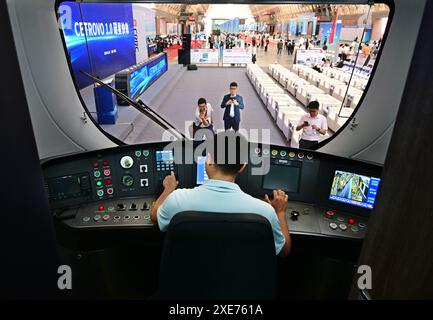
{"points": [[221, 194]]}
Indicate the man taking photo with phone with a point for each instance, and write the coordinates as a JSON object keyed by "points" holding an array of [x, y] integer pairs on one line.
{"points": [[233, 104]]}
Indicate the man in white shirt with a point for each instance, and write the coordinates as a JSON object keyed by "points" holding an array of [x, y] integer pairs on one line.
{"points": [[312, 125], [203, 116]]}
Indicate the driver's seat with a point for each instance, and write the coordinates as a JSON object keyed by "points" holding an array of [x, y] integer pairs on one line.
{"points": [[218, 256]]}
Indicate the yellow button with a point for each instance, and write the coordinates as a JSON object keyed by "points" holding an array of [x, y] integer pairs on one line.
{"points": [[274, 152]]}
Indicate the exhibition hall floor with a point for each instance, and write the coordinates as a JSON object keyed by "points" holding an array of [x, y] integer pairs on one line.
{"points": [[212, 84]]}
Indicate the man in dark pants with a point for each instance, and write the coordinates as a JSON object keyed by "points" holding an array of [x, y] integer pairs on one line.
{"points": [[232, 103]]}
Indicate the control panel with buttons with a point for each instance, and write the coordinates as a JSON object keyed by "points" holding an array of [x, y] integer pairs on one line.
{"points": [[131, 212], [116, 187], [303, 218]]}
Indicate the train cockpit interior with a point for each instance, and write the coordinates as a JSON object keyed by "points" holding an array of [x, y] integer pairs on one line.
{"points": [[115, 116]]}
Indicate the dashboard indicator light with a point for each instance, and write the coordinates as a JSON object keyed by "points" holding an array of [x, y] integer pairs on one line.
{"points": [[108, 181], [127, 162], [101, 208], [99, 183], [105, 163], [107, 173], [138, 154], [95, 165]]}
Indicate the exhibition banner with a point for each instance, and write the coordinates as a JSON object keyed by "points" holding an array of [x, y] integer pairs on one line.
{"points": [[310, 57], [204, 56], [140, 14], [237, 56], [99, 38]]}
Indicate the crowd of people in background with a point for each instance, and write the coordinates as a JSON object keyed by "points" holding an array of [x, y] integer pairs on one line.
{"points": [[340, 54], [163, 42]]}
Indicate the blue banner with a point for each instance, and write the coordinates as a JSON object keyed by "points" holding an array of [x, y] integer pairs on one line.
{"points": [[142, 78], [99, 38], [325, 29]]}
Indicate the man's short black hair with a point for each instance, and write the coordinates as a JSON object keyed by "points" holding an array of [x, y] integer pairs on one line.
{"points": [[201, 101], [233, 84], [314, 105], [230, 152]]}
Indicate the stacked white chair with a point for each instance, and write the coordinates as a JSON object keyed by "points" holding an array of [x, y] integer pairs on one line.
{"points": [[304, 91]]}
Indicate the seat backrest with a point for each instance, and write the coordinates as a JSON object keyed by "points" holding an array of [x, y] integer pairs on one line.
{"points": [[218, 256]]}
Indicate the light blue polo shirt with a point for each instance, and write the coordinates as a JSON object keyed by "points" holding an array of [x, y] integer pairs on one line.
{"points": [[218, 196]]}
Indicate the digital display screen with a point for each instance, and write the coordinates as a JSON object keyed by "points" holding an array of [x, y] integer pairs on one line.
{"points": [[143, 77], [66, 187], [98, 37], [164, 156], [201, 170], [283, 177], [354, 189]]}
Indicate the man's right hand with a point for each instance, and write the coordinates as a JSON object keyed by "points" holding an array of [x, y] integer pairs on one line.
{"points": [[229, 102], [280, 201], [170, 183]]}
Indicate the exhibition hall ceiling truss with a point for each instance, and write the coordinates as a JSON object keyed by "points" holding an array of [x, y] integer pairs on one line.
{"points": [[280, 12]]}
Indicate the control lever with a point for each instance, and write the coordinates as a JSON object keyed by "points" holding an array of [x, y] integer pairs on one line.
{"points": [[294, 215]]}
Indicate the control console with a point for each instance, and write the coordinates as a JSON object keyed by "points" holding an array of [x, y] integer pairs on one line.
{"points": [[115, 188]]}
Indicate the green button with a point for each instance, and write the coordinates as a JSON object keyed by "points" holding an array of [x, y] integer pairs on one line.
{"points": [[355, 229], [146, 153], [138, 154], [147, 217], [86, 219], [100, 193], [97, 174], [340, 219], [283, 153], [111, 209]]}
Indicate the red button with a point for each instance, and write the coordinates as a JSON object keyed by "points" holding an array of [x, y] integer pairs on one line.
{"points": [[101, 208], [330, 213], [110, 191], [107, 173], [105, 163], [351, 221], [95, 165], [108, 181]]}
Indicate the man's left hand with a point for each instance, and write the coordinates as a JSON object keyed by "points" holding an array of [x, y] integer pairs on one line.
{"points": [[314, 127], [236, 103]]}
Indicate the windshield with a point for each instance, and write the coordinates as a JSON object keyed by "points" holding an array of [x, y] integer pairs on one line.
{"points": [[290, 75]]}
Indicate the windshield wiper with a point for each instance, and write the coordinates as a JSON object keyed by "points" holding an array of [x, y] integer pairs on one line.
{"points": [[140, 106]]}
